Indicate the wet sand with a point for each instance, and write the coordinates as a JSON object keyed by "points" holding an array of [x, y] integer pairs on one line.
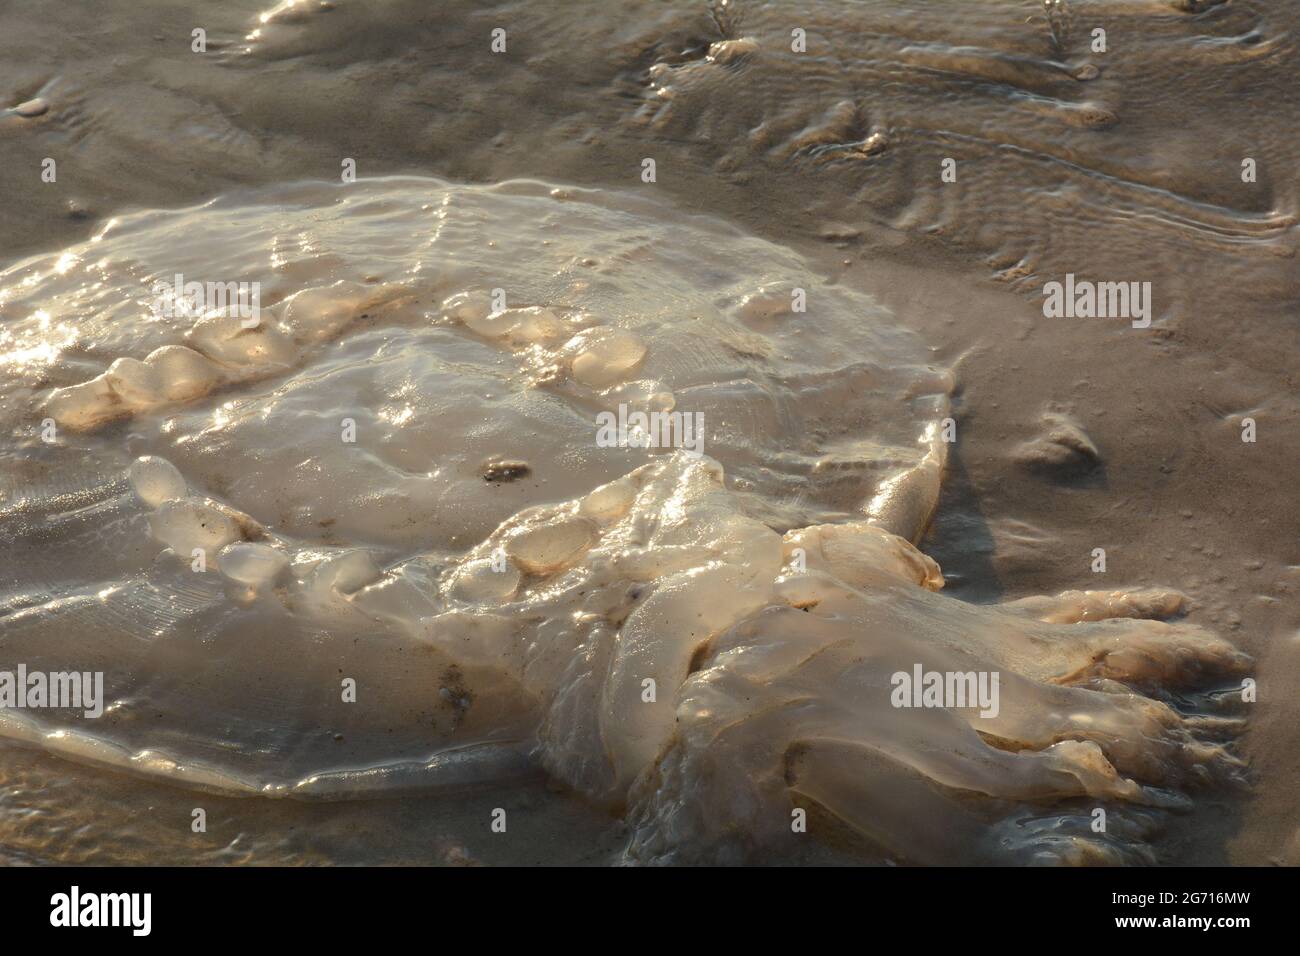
{"points": [[1131, 175]]}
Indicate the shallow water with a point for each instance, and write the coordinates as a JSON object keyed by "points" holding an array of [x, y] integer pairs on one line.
{"points": [[1073, 434]]}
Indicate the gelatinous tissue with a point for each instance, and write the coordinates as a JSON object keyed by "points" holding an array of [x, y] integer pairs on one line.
{"points": [[373, 542]]}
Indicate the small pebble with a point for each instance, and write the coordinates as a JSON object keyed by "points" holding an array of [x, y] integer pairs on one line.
{"points": [[32, 108], [504, 471], [875, 144]]}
